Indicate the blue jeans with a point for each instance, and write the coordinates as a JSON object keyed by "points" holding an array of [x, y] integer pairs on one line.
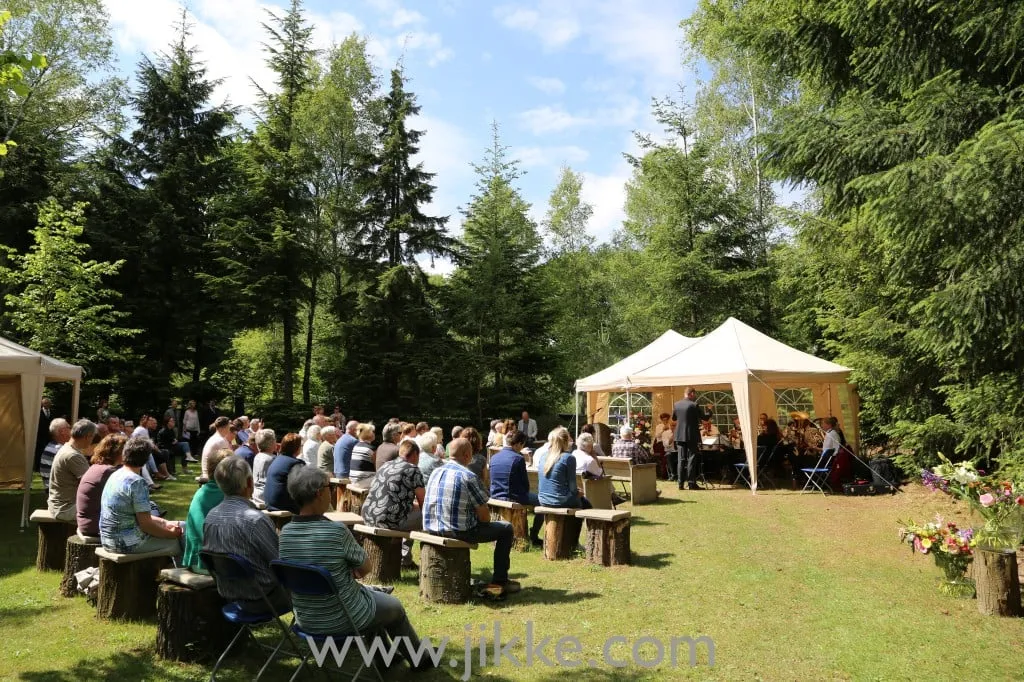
{"points": [[498, 532]]}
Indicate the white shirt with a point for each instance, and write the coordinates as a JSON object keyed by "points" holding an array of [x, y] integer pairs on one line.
{"points": [[831, 442], [140, 432], [213, 443], [665, 434], [585, 463], [309, 449], [529, 428], [260, 464]]}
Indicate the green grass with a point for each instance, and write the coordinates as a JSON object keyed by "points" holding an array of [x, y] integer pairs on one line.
{"points": [[789, 586]]}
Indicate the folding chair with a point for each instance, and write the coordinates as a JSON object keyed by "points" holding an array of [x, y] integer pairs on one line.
{"points": [[314, 581], [235, 568], [743, 467], [817, 476], [764, 468]]}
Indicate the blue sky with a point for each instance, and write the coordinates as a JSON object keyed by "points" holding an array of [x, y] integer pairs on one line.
{"points": [[568, 81]]}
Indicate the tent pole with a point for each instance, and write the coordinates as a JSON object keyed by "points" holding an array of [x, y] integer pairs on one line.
{"points": [[76, 397], [576, 414], [629, 408]]}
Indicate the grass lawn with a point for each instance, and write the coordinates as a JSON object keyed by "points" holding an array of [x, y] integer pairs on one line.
{"points": [[789, 587]]}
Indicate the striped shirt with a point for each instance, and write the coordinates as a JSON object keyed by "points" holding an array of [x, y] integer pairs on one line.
{"points": [[320, 542], [363, 463], [46, 463], [453, 494], [236, 526]]}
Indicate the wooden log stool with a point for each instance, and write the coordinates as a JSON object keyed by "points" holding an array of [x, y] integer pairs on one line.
{"points": [[80, 554], [189, 624], [561, 531], [445, 568], [128, 584], [997, 582], [53, 539], [515, 514], [347, 519], [280, 518], [383, 548], [607, 536], [353, 497], [338, 486]]}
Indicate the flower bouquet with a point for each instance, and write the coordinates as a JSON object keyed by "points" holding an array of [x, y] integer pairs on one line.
{"points": [[999, 503], [951, 547], [641, 429]]}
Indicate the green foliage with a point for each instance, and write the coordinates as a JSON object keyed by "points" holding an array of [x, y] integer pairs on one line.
{"points": [[62, 307]]}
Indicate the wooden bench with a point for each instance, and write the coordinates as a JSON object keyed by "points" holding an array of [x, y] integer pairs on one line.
{"points": [[53, 537], [561, 532], [128, 584], [445, 568], [79, 554], [607, 536], [348, 519], [642, 478], [383, 548], [354, 496], [600, 488], [515, 514], [338, 486], [281, 518], [189, 624]]}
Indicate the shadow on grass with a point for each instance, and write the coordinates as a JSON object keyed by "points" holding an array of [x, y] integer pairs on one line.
{"points": [[665, 501], [652, 560], [134, 665], [538, 595], [641, 521], [18, 614]]}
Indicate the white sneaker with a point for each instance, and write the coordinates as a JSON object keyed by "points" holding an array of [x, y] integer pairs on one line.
{"points": [[190, 459], [171, 477]]}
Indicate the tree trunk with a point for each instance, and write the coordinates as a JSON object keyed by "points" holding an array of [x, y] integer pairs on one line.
{"points": [[309, 338], [288, 361], [78, 557], [385, 556], [520, 527], [561, 534], [53, 538], [608, 542], [128, 591], [444, 574], [197, 362], [353, 499], [998, 585], [190, 626]]}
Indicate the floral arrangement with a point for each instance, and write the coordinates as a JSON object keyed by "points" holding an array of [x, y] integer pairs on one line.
{"points": [[950, 546], [641, 428], [1000, 503]]}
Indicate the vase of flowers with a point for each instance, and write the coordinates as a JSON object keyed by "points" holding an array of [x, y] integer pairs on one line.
{"points": [[951, 547]]}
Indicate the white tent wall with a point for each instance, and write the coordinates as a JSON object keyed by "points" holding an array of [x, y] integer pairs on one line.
{"points": [[745, 411], [31, 395]]}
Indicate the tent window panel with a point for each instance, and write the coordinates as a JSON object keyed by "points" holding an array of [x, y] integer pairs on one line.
{"points": [[618, 412], [723, 408], [789, 400]]}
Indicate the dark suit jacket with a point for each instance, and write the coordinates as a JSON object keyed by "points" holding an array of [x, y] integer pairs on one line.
{"points": [[687, 416]]}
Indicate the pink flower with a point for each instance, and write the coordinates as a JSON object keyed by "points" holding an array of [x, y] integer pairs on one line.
{"points": [[987, 500], [1020, 500]]}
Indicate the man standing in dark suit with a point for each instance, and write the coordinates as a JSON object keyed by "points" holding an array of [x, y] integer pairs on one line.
{"points": [[687, 416], [42, 431]]}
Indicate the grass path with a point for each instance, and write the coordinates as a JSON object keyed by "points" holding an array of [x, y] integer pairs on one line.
{"points": [[789, 587]]}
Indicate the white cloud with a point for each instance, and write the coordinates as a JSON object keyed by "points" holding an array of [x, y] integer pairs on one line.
{"points": [[548, 85], [554, 27], [403, 17], [607, 194], [555, 119], [549, 156]]}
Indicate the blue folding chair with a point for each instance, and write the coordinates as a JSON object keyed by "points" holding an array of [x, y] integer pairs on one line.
{"points": [[817, 476], [742, 468], [315, 581], [235, 568]]}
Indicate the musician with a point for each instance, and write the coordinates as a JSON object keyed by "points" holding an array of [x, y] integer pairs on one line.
{"points": [[736, 434], [664, 445], [762, 423], [708, 429]]}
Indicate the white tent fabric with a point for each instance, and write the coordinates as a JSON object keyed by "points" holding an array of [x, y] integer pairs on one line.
{"points": [[33, 370], [615, 377], [743, 357]]}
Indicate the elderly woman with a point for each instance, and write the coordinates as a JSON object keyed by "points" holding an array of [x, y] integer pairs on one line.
{"points": [[428, 459], [311, 446], [363, 457], [314, 540], [127, 525], [586, 461], [106, 458], [479, 461], [439, 448], [206, 498], [221, 436]]}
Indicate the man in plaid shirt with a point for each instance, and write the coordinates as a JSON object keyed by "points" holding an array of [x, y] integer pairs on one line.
{"points": [[627, 448], [455, 506]]}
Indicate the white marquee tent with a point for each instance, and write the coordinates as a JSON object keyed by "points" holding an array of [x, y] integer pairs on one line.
{"points": [[617, 376], [23, 373], [753, 365]]}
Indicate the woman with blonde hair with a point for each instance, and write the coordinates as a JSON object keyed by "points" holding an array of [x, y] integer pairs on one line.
{"points": [[363, 456], [556, 475]]}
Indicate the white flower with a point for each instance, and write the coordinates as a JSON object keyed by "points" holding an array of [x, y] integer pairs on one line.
{"points": [[964, 476]]}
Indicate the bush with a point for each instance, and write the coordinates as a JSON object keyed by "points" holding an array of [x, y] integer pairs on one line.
{"points": [[284, 418]]}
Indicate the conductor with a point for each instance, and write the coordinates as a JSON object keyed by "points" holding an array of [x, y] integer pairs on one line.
{"points": [[687, 416]]}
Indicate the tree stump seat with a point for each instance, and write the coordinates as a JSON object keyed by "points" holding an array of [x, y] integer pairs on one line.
{"points": [[338, 486], [79, 554], [354, 496], [561, 531], [445, 568], [189, 622], [128, 584], [281, 518], [383, 547], [997, 582], [515, 514], [348, 519], [53, 537], [607, 536]]}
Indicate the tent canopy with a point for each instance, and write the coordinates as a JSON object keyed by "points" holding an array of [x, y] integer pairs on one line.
{"points": [[616, 377], [15, 359]]}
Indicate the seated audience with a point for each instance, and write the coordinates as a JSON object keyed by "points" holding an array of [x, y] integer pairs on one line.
{"points": [[167, 441], [556, 475], [311, 445], [510, 482], [395, 499], [206, 498], [456, 432], [388, 449], [586, 462], [127, 525], [363, 459], [221, 436], [69, 465], [60, 433], [408, 432], [236, 526], [479, 461], [455, 506], [429, 461], [246, 450], [275, 490], [107, 456], [325, 453], [439, 435], [343, 450], [266, 443], [626, 447], [311, 538]]}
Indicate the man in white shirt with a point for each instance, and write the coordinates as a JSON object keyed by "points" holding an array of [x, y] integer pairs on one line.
{"points": [[831, 436], [528, 426]]}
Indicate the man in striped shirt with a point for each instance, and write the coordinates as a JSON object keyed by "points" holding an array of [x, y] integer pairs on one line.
{"points": [[455, 506]]}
